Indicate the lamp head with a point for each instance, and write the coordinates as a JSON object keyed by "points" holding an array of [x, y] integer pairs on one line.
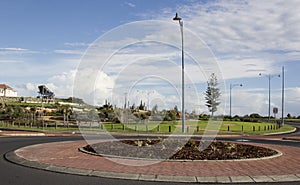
{"points": [[176, 18]]}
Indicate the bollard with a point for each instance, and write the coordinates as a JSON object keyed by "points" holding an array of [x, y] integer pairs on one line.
{"points": [[146, 128], [228, 128], [268, 127], [259, 128], [253, 128], [158, 128], [170, 128], [123, 127], [242, 128], [197, 128], [187, 129]]}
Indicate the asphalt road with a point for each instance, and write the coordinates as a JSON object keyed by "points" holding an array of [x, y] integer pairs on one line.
{"points": [[18, 175], [297, 125]]}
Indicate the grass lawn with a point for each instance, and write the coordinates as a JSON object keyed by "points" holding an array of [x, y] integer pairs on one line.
{"points": [[46, 105], [191, 126]]}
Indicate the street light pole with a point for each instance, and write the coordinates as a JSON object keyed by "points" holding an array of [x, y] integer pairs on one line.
{"points": [[232, 86], [179, 19], [269, 111], [43, 121], [125, 94], [269, 76], [148, 93], [282, 98]]}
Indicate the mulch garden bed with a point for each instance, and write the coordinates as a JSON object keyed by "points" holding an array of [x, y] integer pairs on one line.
{"points": [[179, 150]]}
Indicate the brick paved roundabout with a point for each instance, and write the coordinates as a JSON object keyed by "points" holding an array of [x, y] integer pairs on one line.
{"points": [[64, 157]]}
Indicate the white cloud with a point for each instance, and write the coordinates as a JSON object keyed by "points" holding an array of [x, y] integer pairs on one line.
{"points": [[246, 67], [130, 4], [76, 44], [247, 37], [14, 51], [245, 28], [10, 61], [292, 101], [27, 89], [70, 52], [245, 101]]}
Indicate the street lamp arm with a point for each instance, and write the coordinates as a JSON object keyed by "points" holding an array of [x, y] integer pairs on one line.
{"points": [[234, 85], [269, 75]]}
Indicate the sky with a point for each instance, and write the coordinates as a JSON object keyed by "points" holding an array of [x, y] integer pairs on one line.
{"points": [[51, 42]]}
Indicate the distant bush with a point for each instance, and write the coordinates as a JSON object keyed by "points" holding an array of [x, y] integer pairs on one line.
{"points": [[203, 117], [255, 115]]}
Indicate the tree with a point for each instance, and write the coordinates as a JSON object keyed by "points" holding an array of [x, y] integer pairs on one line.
{"points": [[142, 106], [255, 115], [212, 94], [155, 109]]}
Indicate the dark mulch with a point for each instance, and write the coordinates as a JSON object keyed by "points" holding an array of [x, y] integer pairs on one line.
{"points": [[179, 150]]}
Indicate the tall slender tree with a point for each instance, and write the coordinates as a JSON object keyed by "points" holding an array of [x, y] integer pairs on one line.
{"points": [[212, 94]]}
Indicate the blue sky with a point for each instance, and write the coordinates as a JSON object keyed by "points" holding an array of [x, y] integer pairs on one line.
{"points": [[42, 42]]}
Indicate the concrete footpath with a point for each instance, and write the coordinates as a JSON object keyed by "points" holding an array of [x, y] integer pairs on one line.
{"points": [[64, 157]]}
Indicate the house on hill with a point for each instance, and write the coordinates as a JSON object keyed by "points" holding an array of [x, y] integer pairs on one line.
{"points": [[45, 94], [7, 91]]}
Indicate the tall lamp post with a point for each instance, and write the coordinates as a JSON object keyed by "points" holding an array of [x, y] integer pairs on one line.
{"points": [[148, 93], [282, 98], [42, 96], [179, 19], [232, 86], [269, 76]]}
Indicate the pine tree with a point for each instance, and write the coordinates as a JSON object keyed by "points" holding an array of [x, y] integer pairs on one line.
{"points": [[212, 94]]}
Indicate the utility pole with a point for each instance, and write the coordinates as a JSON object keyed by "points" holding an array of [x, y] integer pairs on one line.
{"points": [[282, 98]]}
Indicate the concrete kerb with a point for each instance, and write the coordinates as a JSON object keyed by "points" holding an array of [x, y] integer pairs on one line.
{"points": [[12, 157], [279, 133]]}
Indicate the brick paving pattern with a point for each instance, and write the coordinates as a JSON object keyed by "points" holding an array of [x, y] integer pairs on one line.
{"points": [[66, 154]]}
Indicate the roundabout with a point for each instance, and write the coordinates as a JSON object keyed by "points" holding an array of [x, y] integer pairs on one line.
{"points": [[176, 150], [64, 157]]}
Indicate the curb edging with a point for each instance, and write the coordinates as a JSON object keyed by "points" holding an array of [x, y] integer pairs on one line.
{"points": [[14, 158]]}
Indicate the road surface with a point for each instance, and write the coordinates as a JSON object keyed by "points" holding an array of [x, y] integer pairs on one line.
{"points": [[18, 175]]}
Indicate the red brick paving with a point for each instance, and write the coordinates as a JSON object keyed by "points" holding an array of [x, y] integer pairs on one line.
{"points": [[66, 154]]}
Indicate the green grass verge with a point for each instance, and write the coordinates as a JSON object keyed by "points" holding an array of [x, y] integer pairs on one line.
{"points": [[46, 105], [197, 127]]}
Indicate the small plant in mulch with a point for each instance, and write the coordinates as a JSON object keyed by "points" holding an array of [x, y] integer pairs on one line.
{"points": [[89, 148], [178, 150]]}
